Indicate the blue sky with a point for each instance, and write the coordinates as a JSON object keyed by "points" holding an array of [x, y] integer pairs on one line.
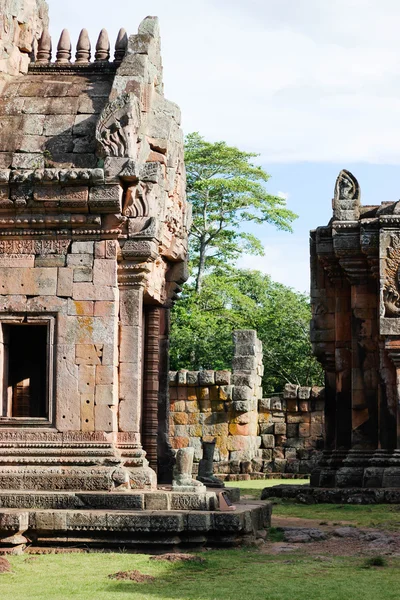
{"points": [[312, 86]]}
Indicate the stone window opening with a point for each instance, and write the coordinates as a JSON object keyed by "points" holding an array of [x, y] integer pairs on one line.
{"points": [[26, 356]]}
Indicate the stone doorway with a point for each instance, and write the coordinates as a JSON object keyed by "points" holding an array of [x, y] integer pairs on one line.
{"points": [[26, 371]]}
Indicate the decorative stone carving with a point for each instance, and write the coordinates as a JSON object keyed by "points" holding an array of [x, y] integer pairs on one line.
{"points": [[183, 472], [120, 46], [102, 47], [346, 202], [117, 128], [391, 289], [64, 48], [83, 48]]}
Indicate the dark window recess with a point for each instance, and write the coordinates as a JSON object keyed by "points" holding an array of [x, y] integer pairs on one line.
{"points": [[26, 370]]}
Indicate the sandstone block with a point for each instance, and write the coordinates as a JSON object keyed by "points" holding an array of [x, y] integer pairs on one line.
{"points": [[83, 274], [179, 442], [292, 405], [88, 354], [86, 379], [206, 378], [104, 272], [65, 281], [192, 377], [245, 336], [237, 429], [88, 291], [304, 430], [244, 363], [242, 406], [100, 249], [104, 308], [182, 377], [106, 375], [290, 391], [87, 412], [276, 404], [105, 395], [304, 405], [105, 418], [83, 308], [264, 404], [68, 398], [225, 393], [180, 418], [82, 247], [172, 376], [80, 260], [280, 428], [222, 377], [30, 282], [268, 441], [304, 393], [242, 393]]}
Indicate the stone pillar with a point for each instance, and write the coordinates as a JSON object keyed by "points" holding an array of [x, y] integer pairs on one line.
{"points": [[343, 364], [131, 359], [151, 383], [364, 299], [166, 458]]}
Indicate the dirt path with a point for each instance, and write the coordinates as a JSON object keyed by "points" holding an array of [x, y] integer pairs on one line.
{"points": [[309, 537]]}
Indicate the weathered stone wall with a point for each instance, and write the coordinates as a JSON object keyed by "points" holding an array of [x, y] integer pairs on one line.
{"points": [[255, 436], [21, 25]]}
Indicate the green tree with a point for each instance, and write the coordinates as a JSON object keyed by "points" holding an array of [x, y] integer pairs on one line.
{"points": [[227, 190], [202, 326]]}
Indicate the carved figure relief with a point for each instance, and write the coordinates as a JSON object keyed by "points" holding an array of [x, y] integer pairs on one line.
{"points": [[391, 289], [118, 126], [347, 187]]}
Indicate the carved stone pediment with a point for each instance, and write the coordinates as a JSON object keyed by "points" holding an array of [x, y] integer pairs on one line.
{"points": [[118, 127]]}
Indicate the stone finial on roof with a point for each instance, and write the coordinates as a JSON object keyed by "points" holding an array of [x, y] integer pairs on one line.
{"points": [[64, 48], [102, 47], [346, 201], [83, 48], [44, 48], [120, 46]]}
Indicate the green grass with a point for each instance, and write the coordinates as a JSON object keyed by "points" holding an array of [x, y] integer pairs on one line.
{"points": [[385, 516], [229, 574]]}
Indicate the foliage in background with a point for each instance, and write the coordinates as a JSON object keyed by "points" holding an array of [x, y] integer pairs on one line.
{"points": [[227, 190], [202, 326]]}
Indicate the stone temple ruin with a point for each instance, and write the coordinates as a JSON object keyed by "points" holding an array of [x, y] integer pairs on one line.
{"points": [[93, 246], [355, 294]]}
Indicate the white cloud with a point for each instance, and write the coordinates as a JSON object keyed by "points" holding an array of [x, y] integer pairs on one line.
{"points": [[295, 80]]}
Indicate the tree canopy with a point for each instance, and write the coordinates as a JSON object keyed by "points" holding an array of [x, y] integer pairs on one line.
{"points": [[202, 326], [227, 190]]}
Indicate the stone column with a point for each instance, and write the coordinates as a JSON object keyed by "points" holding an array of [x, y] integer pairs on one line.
{"points": [[131, 358], [364, 305], [151, 383], [166, 457], [131, 279], [393, 349]]}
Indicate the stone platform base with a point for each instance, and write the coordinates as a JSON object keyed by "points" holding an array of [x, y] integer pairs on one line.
{"points": [[314, 495], [131, 529]]}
